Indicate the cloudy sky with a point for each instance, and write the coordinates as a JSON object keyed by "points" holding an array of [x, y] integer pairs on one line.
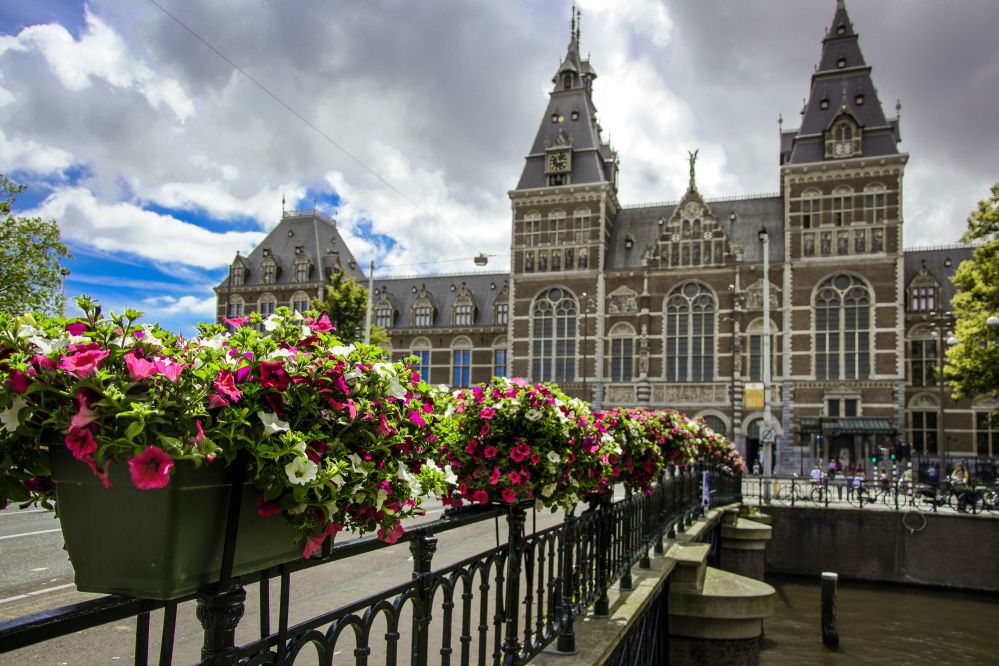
{"points": [[160, 160]]}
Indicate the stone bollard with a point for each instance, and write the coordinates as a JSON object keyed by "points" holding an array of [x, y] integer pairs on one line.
{"points": [[830, 632]]}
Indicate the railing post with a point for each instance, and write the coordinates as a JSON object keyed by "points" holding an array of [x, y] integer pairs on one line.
{"points": [[661, 503], [627, 539], [219, 612], [511, 609], [566, 635], [646, 503], [603, 521], [423, 548]]}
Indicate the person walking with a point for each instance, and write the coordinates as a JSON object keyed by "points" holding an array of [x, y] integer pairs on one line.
{"points": [[959, 485]]}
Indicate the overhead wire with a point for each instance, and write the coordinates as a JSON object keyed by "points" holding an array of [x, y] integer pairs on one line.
{"points": [[312, 126]]}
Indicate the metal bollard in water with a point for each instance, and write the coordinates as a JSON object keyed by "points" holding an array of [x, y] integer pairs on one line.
{"points": [[830, 632]]}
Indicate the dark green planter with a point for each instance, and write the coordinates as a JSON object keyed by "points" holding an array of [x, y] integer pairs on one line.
{"points": [[163, 543]]}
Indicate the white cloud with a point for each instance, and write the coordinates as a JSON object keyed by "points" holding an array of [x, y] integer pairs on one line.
{"points": [[185, 305], [125, 227], [215, 199], [28, 154], [100, 53]]}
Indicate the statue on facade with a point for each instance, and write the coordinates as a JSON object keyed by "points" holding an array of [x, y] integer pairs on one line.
{"points": [[692, 157]]}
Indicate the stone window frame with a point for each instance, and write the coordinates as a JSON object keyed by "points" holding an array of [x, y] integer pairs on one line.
{"points": [[297, 299], [928, 360], [875, 202], [811, 206], [621, 352], [235, 306], [553, 346], [717, 415], [842, 206], [755, 330], [844, 130], [829, 344], [268, 270], [237, 273], [461, 361], [423, 312], [422, 348], [499, 347], [680, 319]]}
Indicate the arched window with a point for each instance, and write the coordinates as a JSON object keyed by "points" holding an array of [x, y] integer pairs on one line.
{"points": [[421, 350], [622, 352], [423, 312], [266, 304], [843, 132], [235, 307], [553, 336], [300, 301], [690, 334], [842, 329], [500, 358], [463, 311], [237, 273], [461, 362], [302, 269], [384, 311]]}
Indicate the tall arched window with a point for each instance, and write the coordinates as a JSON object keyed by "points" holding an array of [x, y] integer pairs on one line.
{"points": [[553, 336], [842, 329], [461, 362], [690, 334], [421, 350], [622, 353]]}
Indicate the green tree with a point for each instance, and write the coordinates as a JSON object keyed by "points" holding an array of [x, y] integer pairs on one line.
{"points": [[973, 363], [346, 305], [31, 255]]}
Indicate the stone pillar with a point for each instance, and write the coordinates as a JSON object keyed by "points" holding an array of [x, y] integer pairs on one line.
{"points": [[743, 545], [715, 617]]}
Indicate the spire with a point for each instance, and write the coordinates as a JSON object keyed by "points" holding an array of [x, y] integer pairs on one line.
{"points": [[842, 87]]}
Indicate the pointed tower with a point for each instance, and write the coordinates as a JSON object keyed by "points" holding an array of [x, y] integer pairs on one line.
{"points": [[841, 181], [563, 207]]}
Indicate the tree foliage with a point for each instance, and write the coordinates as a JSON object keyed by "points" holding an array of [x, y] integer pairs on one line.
{"points": [[31, 255], [973, 363], [346, 305]]}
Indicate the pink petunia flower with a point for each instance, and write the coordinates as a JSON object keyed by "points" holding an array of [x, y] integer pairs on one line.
{"points": [[494, 477], [76, 328], [514, 478], [489, 452], [19, 382], [509, 495], [393, 535], [273, 375], [170, 370], [519, 452], [487, 413], [81, 443], [225, 385], [84, 414], [415, 417], [199, 436], [314, 543], [321, 325], [84, 363], [151, 468], [138, 367], [266, 509], [480, 496]]}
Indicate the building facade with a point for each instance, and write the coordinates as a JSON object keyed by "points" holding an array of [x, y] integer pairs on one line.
{"points": [[674, 304]]}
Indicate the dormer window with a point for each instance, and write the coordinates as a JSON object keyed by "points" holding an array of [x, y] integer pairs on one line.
{"points": [[824, 104], [302, 269], [567, 80], [859, 100], [843, 139], [841, 63], [841, 30], [269, 273], [383, 317], [423, 311], [237, 274], [575, 115], [923, 299]]}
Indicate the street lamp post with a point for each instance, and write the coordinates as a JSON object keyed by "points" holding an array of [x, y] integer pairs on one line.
{"points": [[765, 351], [585, 305], [941, 321]]}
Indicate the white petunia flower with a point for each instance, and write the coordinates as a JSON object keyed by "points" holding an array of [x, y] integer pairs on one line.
{"points": [[357, 464], [272, 322], [380, 500], [554, 457], [384, 369], [408, 477], [29, 331], [342, 352], [272, 424], [9, 416], [532, 415], [449, 476], [47, 346], [396, 390], [301, 471]]}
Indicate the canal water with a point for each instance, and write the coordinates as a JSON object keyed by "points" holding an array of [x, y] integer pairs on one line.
{"points": [[881, 624]]}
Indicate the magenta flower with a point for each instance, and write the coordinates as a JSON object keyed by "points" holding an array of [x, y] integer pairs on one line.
{"points": [[138, 367], [415, 417], [170, 370], [199, 436], [519, 452], [489, 452], [321, 325], [314, 543], [84, 414], [514, 478], [84, 364], [494, 477], [80, 442], [266, 509], [272, 375], [487, 412], [480, 496], [19, 382], [76, 328], [236, 322], [391, 536], [151, 468], [225, 385], [509, 495]]}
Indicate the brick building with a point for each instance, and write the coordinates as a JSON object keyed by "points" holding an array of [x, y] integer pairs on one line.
{"points": [[663, 304]]}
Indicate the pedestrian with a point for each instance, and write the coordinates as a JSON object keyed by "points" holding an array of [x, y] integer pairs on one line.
{"points": [[756, 467], [839, 482], [858, 484], [933, 475], [959, 485]]}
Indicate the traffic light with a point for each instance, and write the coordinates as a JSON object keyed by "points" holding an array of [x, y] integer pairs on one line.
{"points": [[875, 457]]}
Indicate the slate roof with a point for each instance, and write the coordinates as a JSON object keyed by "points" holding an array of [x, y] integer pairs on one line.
{"points": [[319, 240], [940, 262], [592, 159], [402, 292], [837, 88], [751, 214]]}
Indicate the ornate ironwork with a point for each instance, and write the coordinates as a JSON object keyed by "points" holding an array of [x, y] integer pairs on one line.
{"points": [[502, 606]]}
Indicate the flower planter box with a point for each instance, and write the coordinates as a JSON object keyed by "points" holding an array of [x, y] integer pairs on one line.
{"points": [[163, 543]]}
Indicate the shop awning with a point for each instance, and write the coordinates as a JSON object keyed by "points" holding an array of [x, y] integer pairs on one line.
{"points": [[845, 425]]}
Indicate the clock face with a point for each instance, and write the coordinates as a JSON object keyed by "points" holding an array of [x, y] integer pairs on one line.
{"points": [[707, 235], [675, 237], [558, 161]]}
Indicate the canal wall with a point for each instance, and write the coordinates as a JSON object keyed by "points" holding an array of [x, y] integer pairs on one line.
{"points": [[939, 550]]}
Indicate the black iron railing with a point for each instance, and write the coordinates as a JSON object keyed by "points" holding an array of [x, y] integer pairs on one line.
{"points": [[501, 606]]}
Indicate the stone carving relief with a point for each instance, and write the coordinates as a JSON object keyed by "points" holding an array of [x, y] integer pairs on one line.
{"points": [[620, 395], [622, 301], [689, 394], [754, 296]]}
